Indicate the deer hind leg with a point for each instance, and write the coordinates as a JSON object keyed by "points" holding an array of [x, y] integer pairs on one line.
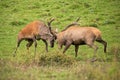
{"points": [[18, 44], [95, 51], [35, 44], [67, 45], [104, 43], [92, 45], [76, 50], [60, 46], [30, 42], [45, 44]]}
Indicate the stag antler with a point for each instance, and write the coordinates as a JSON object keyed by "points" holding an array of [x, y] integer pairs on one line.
{"points": [[72, 24], [76, 20], [49, 23]]}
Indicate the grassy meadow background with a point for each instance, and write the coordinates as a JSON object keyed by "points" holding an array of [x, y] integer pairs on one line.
{"points": [[102, 14]]}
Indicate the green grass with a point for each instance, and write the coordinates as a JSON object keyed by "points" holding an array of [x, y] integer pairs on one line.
{"points": [[103, 14]]}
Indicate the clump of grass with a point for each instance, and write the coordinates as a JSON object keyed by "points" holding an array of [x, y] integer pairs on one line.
{"points": [[5, 5], [74, 5], [17, 23], [109, 22], [86, 5], [15, 10], [97, 71], [93, 25], [56, 59], [35, 6], [114, 55], [115, 50]]}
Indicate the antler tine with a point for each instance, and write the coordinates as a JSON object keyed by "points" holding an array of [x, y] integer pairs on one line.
{"points": [[76, 22], [77, 19], [50, 22], [72, 24]]}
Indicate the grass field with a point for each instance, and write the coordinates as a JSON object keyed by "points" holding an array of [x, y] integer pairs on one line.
{"points": [[102, 14]]}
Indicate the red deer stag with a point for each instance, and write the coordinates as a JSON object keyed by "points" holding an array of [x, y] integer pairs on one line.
{"points": [[73, 34], [36, 30]]}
